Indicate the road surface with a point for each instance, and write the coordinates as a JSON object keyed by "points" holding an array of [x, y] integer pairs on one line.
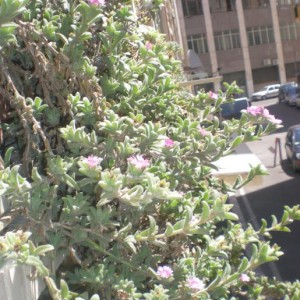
{"points": [[280, 188]]}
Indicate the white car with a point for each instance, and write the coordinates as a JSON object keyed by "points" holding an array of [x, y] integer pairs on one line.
{"points": [[269, 91]]}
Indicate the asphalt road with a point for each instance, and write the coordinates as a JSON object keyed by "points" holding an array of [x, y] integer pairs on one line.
{"points": [[280, 188]]}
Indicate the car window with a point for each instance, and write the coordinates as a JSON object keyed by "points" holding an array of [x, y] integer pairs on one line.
{"points": [[233, 109], [297, 137], [293, 91]]}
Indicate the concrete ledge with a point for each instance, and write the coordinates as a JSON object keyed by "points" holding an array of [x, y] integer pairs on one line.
{"points": [[231, 166], [16, 283]]}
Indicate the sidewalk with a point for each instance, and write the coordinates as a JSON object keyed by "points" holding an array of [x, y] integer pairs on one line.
{"points": [[238, 163]]}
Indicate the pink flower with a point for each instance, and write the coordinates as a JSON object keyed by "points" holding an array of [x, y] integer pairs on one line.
{"points": [[164, 272], [263, 112], [92, 161], [212, 95], [272, 119], [269, 117], [149, 46], [203, 132], [138, 161], [255, 110], [169, 143], [97, 2], [244, 278], [195, 283]]}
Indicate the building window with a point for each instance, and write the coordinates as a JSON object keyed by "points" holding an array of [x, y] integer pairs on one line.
{"points": [[260, 35], [221, 5], [228, 39], [198, 43], [192, 7], [250, 4], [290, 32]]}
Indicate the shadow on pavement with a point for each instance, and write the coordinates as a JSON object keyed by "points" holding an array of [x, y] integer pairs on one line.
{"points": [[281, 189], [261, 206]]}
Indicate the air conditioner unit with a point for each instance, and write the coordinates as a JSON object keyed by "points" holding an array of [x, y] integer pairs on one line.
{"points": [[267, 62], [275, 61]]}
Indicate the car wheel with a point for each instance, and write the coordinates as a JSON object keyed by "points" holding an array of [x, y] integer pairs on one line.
{"points": [[294, 166], [264, 97]]}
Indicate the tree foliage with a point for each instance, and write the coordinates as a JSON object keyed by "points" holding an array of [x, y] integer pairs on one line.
{"points": [[111, 161]]}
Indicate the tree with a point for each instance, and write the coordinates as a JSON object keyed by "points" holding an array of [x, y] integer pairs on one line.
{"points": [[110, 161]]}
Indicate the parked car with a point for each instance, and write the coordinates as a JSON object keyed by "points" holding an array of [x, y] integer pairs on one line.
{"points": [[292, 146], [269, 91], [284, 90], [298, 100], [293, 94], [232, 110]]}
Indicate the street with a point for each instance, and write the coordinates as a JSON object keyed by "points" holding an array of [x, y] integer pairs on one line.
{"points": [[280, 188]]}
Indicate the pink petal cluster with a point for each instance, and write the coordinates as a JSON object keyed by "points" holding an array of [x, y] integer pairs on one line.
{"points": [[164, 272], [97, 2], [202, 131], [212, 95], [263, 112], [92, 161], [257, 111], [244, 278], [149, 46], [138, 161], [169, 143], [195, 284]]}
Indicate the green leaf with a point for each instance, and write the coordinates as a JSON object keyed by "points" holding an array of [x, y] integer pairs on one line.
{"points": [[169, 230], [43, 249], [153, 227], [188, 218], [243, 265], [64, 289], [205, 212], [69, 181], [35, 261], [237, 141], [8, 156], [231, 216]]}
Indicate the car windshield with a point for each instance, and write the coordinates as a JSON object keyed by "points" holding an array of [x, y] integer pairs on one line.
{"points": [[264, 88], [289, 86], [297, 137]]}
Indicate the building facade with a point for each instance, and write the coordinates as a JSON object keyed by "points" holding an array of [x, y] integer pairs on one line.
{"points": [[252, 42]]}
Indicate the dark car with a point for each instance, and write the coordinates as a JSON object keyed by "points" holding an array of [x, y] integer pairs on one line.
{"points": [[285, 89], [292, 95], [292, 146], [232, 110]]}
